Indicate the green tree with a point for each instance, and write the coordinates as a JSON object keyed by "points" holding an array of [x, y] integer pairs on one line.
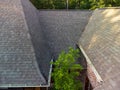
{"points": [[59, 4], [97, 4], [85, 4], [72, 4], [75, 4], [66, 71], [43, 4]]}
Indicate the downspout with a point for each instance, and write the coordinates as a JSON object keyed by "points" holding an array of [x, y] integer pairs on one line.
{"points": [[49, 77]]}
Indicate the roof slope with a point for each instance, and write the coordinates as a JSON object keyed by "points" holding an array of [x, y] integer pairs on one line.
{"points": [[41, 47], [27, 41], [63, 28], [101, 42], [18, 65]]}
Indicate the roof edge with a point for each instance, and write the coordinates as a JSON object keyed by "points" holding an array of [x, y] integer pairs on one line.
{"points": [[24, 85], [92, 73], [108, 8]]}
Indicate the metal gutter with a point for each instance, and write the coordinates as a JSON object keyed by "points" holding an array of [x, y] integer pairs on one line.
{"points": [[24, 85], [91, 66]]}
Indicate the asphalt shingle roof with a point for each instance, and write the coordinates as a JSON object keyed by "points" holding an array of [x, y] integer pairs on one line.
{"points": [[29, 38], [39, 41], [18, 65], [63, 28], [101, 42]]}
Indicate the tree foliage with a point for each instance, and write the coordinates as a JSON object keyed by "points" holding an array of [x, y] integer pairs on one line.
{"points": [[59, 4], [66, 70], [75, 4]]}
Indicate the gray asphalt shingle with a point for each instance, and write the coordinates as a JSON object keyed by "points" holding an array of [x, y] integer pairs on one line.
{"points": [[63, 28], [29, 38], [38, 38], [18, 65]]}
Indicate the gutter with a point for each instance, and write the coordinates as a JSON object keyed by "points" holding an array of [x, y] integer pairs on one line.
{"points": [[93, 75], [49, 77], [25, 86]]}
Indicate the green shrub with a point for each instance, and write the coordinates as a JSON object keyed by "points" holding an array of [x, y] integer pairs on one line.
{"points": [[66, 71]]}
